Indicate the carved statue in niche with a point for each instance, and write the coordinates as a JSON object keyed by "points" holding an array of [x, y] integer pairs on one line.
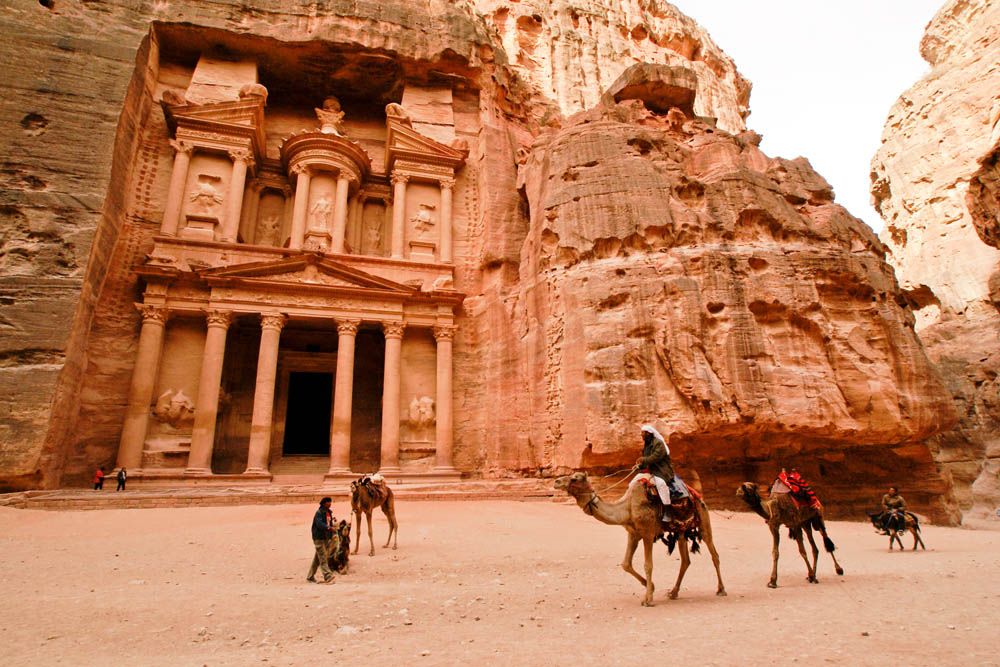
{"points": [[206, 195], [423, 219], [331, 118], [174, 408], [321, 212], [267, 230], [373, 232], [421, 416]]}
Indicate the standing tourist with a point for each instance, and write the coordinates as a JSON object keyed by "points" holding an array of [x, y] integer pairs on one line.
{"points": [[323, 536], [122, 476], [99, 479]]}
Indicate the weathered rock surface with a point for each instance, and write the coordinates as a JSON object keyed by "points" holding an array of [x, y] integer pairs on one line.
{"points": [[935, 181], [571, 51], [635, 261]]}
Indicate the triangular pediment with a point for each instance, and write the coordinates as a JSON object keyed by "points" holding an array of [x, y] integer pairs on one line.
{"points": [[403, 142], [304, 271], [248, 112]]}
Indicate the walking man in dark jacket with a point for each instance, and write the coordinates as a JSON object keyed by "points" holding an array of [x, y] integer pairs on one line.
{"points": [[324, 540], [122, 476]]}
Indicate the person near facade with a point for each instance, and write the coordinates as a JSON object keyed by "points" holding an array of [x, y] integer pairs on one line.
{"points": [[893, 510], [99, 479], [122, 476], [325, 541], [655, 460]]}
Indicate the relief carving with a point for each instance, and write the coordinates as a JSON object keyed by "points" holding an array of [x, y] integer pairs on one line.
{"points": [[331, 118], [174, 408], [423, 220], [267, 230], [320, 213], [421, 417], [206, 197]]}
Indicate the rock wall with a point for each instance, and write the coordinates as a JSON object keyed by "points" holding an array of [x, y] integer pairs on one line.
{"points": [[935, 181], [570, 51], [638, 260]]}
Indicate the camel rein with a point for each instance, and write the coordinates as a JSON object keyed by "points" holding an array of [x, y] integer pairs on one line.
{"points": [[589, 507]]}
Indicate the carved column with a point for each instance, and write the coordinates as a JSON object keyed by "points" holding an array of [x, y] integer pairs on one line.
{"points": [[140, 394], [301, 207], [444, 336], [399, 182], [251, 204], [175, 195], [343, 393], [263, 397], [340, 213], [447, 185], [234, 198], [207, 406], [390, 396]]}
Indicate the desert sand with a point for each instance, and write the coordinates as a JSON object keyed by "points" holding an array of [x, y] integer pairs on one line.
{"points": [[512, 583]]}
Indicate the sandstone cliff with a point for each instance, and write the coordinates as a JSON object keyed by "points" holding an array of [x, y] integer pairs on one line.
{"points": [[935, 181], [637, 260]]}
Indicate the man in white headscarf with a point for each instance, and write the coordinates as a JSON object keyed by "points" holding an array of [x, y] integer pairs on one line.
{"points": [[655, 460]]}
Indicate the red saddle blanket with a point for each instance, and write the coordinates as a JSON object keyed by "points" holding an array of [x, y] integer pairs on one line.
{"points": [[795, 485], [682, 515]]}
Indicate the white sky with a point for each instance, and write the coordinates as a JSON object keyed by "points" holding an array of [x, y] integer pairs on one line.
{"points": [[825, 74]]}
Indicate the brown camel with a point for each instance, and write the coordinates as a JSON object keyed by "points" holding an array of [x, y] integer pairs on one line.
{"points": [[781, 509], [641, 521], [911, 523], [365, 497]]}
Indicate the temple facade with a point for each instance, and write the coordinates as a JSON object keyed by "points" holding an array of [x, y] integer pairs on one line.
{"points": [[298, 304]]}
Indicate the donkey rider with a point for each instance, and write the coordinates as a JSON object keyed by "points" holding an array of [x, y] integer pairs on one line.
{"points": [[655, 460]]}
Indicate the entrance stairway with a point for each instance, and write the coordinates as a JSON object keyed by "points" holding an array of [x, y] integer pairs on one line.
{"points": [[299, 470]]}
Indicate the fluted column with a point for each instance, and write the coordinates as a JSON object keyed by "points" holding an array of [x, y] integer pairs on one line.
{"points": [[207, 406], [343, 394], [444, 432], [263, 397], [399, 182], [234, 198], [390, 396], [340, 213], [447, 185], [301, 207], [175, 195], [140, 395]]}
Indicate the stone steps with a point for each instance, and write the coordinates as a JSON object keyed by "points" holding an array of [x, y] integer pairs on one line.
{"points": [[273, 494]]}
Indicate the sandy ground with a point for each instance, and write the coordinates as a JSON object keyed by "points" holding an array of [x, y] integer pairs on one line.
{"points": [[489, 583]]}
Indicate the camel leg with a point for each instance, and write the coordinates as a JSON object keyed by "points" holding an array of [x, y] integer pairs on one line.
{"points": [[371, 541], [630, 547], [776, 536], [647, 551], [815, 553], [685, 562], [708, 541], [811, 576], [836, 566], [357, 531], [389, 509]]}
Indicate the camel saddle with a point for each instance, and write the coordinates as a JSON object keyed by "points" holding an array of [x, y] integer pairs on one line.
{"points": [[376, 487], [682, 515]]}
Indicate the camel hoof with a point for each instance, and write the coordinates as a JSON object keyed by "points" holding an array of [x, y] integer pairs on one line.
{"points": [[371, 553], [840, 571], [647, 603], [722, 593], [672, 595], [812, 580], [772, 584], [393, 547]]}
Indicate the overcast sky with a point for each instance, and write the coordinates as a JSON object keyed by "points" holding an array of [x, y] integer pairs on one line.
{"points": [[824, 76]]}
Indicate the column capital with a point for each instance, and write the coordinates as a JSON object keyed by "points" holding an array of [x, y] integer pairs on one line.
{"points": [[447, 183], [153, 313], [241, 155], [393, 329], [274, 321], [348, 327], [444, 332], [300, 168], [219, 318], [180, 146], [397, 178]]}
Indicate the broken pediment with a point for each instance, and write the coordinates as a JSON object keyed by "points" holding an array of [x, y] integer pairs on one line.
{"points": [[303, 271], [405, 143], [221, 122]]}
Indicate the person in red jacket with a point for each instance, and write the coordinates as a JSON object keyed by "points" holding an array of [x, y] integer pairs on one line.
{"points": [[99, 479]]}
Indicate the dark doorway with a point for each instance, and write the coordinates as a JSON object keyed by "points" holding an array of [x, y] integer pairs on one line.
{"points": [[307, 424]]}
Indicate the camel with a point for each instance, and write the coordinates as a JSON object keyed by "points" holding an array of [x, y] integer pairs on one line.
{"points": [[911, 523], [781, 509], [365, 497], [641, 521]]}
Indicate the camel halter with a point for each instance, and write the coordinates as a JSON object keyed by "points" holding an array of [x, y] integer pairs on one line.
{"points": [[589, 507]]}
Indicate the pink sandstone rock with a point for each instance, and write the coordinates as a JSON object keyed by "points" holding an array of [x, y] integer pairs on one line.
{"points": [[934, 180], [625, 250]]}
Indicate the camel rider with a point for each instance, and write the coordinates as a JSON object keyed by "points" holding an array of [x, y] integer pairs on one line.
{"points": [[893, 510], [655, 460]]}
